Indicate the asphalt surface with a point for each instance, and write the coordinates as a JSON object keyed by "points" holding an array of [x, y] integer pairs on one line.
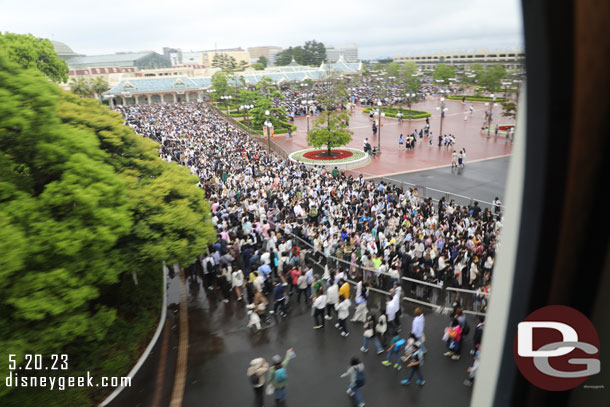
{"points": [[481, 181]]}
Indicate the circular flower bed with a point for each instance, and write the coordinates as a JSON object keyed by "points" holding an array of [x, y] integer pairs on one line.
{"points": [[318, 156], [323, 155]]}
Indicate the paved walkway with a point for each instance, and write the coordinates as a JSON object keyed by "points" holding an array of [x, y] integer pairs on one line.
{"points": [[394, 161]]}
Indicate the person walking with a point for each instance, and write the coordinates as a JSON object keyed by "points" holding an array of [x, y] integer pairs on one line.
{"points": [[238, 283], [279, 298], [454, 341], [319, 304], [342, 309], [381, 328], [278, 377], [302, 287], [356, 380], [396, 345], [332, 298], [362, 293], [417, 328], [370, 334], [401, 141], [256, 372], [416, 361]]}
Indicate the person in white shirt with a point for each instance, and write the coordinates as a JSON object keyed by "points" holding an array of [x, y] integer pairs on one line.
{"points": [[342, 309], [417, 328], [318, 309], [391, 309], [238, 283], [332, 298]]}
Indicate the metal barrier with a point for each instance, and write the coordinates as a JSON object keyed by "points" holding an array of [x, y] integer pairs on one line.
{"points": [[436, 296]]}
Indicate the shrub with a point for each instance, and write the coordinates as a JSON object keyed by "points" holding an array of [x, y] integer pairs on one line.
{"points": [[407, 114], [475, 98]]}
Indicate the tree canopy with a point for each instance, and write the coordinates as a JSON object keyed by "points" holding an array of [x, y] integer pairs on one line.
{"points": [[32, 52], [83, 201], [443, 72], [311, 53]]}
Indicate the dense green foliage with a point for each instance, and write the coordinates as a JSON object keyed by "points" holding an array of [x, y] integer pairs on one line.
{"points": [[31, 52], [311, 53], [89, 88], [443, 72], [85, 204]]}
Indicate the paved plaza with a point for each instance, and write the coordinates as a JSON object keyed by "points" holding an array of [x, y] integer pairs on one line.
{"points": [[393, 160]]}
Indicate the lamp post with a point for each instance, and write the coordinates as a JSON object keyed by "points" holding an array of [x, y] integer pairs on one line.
{"points": [[245, 109], [409, 97], [268, 125], [379, 114], [226, 98], [443, 110], [491, 105]]}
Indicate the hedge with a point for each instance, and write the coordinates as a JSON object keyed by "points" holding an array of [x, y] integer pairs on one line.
{"points": [[475, 98], [407, 114], [276, 130]]}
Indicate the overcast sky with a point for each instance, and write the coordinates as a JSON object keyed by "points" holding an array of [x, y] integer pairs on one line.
{"points": [[379, 28]]}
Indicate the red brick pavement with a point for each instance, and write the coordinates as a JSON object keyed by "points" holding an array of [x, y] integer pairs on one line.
{"points": [[394, 161]]}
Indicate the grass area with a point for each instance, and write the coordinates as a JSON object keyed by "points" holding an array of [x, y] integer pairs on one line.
{"points": [[138, 309], [406, 113]]}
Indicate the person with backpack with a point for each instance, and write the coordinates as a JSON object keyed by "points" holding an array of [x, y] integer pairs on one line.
{"points": [[396, 345], [256, 373], [356, 380], [416, 362], [278, 378]]}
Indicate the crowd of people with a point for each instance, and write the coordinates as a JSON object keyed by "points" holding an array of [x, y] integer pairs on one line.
{"points": [[279, 221]]}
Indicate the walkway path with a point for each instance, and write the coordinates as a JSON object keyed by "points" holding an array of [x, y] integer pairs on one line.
{"points": [[393, 161]]}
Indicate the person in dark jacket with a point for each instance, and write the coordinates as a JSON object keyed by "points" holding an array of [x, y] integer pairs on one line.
{"points": [[279, 298], [478, 333]]}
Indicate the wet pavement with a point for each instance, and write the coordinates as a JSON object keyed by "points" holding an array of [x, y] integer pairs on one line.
{"points": [[393, 160]]}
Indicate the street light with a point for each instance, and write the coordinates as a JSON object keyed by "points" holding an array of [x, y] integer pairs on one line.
{"points": [[226, 98], [443, 110], [268, 125], [409, 96], [245, 109], [379, 114], [491, 105]]}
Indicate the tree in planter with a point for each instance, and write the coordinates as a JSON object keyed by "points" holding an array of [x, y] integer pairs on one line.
{"points": [[330, 130], [509, 109]]}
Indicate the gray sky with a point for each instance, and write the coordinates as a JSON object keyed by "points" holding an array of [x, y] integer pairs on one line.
{"points": [[379, 28]]}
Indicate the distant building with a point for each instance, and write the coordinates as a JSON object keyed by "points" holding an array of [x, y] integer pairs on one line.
{"points": [[272, 56], [63, 51], [140, 60], [257, 52], [349, 53], [207, 57], [463, 60]]}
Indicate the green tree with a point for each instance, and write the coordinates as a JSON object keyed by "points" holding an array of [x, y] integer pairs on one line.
{"points": [[98, 86], [491, 79], [258, 113], [83, 202], [330, 130], [408, 69], [393, 69], [262, 60], [220, 84], [316, 52], [31, 52], [258, 66], [242, 65], [443, 72], [80, 87], [267, 88]]}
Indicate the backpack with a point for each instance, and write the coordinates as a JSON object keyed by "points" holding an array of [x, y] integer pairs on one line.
{"points": [[360, 378], [280, 375], [254, 379], [466, 329]]}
